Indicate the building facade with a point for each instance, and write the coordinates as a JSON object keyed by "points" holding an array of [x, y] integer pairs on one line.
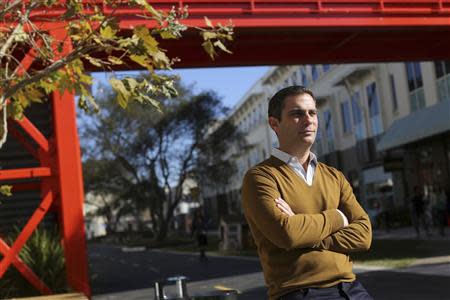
{"points": [[375, 125]]}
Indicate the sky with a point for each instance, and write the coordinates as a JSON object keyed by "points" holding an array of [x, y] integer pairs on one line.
{"points": [[229, 83]]}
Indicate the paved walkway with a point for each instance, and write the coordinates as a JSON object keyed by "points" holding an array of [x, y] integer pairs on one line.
{"points": [[427, 278], [409, 233]]}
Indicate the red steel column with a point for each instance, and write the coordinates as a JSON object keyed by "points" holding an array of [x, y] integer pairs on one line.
{"points": [[70, 178]]}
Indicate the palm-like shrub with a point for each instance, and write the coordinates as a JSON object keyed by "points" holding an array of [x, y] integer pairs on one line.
{"points": [[43, 253]]}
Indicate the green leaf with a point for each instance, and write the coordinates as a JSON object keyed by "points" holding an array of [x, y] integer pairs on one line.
{"points": [[209, 48], [122, 101], [86, 79], [19, 35], [208, 35], [167, 35], [107, 32], [144, 34], [222, 47], [142, 60], [5, 190], [115, 60], [94, 61], [161, 59], [208, 22], [119, 87], [131, 82], [153, 102], [48, 85], [149, 8]]}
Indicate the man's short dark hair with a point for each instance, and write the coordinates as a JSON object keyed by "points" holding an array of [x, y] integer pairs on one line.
{"points": [[276, 103]]}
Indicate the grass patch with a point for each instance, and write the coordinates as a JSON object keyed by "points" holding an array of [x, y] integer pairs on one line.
{"points": [[383, 253], [389, 263], [401, 253]]}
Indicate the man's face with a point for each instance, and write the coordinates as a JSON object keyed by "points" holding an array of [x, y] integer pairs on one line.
{"points": [[298, 125]]}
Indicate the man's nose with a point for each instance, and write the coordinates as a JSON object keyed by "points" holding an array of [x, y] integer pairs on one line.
{"points": [[309, 119]]}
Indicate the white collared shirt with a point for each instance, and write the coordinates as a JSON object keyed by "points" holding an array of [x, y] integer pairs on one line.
{"points": [[307, 175], [293, 162]]}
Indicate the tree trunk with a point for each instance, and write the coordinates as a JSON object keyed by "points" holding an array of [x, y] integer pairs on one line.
{"points": [[163, 230]]}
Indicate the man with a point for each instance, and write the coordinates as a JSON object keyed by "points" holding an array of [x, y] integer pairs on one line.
{"points": [[303, 215], [418, 202]]}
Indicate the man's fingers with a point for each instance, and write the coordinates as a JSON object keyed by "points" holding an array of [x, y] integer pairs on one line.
{"points": [[284, 207]]}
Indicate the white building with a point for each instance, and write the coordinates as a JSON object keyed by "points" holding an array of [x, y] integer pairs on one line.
{"points": [[357, 105]]}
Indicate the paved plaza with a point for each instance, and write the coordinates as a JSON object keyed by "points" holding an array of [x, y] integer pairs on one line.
{"points": [[118, 273]]}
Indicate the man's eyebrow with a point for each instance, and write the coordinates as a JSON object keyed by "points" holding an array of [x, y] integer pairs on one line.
{"points": [[297, 109]]}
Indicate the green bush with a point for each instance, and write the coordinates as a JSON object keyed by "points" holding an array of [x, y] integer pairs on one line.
{"points": [[43, 253]]}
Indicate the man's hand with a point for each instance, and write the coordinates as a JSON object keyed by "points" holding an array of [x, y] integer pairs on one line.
{"points": [[284, 207]]}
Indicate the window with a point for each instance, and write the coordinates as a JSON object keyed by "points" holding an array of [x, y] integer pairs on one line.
{"points": [[358, 117], [346, 121], [305, 82], [294, 78], [314, 73], [415, 86], [260, 113], [325, 68], [329, 130], [374, 109], [318, 142], [393, 93], [442, 70]]}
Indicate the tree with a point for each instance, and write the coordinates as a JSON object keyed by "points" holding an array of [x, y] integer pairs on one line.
{"points": [[154, 154], [61, 47]]}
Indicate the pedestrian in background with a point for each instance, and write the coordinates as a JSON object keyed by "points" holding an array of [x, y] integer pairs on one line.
{"points": [[199, 228], [418, 203], [440, 208]]}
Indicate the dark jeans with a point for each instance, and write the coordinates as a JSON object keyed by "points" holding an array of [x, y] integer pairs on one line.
{"points": [[344, 290]]}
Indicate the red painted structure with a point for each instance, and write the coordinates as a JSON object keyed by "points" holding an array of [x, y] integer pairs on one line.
{"points": [[267, 33]]}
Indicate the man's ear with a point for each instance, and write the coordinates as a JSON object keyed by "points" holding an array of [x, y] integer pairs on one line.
{"points": [[274, 123]]}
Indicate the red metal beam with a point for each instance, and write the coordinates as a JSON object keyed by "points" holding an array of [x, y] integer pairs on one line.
{"points": [[25, 173], [28, 60], [26, 272], [70, 182], [34, 133], [26, 232]]}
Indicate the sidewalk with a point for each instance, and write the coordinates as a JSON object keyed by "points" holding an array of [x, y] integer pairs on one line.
{"points": [[408, 233], [243, 273]]}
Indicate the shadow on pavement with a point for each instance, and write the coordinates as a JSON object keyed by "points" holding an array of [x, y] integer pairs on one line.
{"points": [[114, 271], [388, 285]]}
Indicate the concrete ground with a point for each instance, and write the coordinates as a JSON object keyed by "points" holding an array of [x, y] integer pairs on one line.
{"points": [[129, 274]]}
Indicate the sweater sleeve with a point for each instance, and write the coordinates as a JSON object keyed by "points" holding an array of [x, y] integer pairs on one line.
{"points": [[259, 192], [357, 236]]}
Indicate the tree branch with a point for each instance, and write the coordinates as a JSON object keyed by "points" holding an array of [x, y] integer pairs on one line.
{"points": [[50, 69], [12, 6]]}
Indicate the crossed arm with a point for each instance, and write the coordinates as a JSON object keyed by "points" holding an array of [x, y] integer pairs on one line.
{"points": [[275, 220], [356, 233]]}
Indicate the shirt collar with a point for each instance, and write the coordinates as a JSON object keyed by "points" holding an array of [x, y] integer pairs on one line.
{"points": [[287, 158]]}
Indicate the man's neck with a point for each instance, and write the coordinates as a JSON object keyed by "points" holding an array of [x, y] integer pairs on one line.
{"points": [[302, 155]]}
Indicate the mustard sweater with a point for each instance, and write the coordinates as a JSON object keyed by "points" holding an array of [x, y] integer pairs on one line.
{"points": [[309, 249]]}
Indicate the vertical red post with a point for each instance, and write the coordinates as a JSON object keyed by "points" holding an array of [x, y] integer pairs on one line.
{"points": [[71, 192], [70, 180]]}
